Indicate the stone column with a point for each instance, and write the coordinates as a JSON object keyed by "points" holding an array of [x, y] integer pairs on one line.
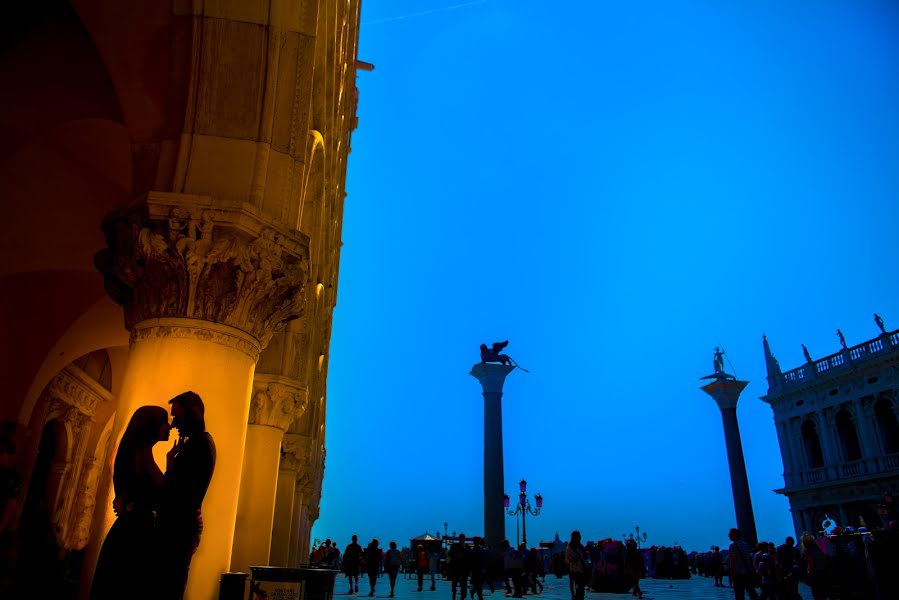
{"points": [[276, 403], [867, 432], [786, 451], [830, 443], [295, 452], [491, 378], [299, 534], [726, 392], [203, 287]]}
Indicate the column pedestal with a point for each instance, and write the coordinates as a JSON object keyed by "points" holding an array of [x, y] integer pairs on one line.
{"points": [[726, 392], [491, 378]]}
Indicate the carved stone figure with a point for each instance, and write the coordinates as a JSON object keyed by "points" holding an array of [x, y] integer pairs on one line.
{"points": [[879, 323], [718, 361], [808, 357], [493, 354], [842, 339]]}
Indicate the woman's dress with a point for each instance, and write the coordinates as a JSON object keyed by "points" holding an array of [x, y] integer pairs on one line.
{"points": [[125, 566]]}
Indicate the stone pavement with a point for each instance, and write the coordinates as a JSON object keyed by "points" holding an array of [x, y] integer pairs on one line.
{"points": [[695, 588]]}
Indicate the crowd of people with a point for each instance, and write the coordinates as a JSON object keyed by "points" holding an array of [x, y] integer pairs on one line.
{"points": [[844, 565]]}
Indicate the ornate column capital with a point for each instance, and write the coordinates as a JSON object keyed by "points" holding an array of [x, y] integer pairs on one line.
{"points": [[277, 401], [296, 452], [183, 256]]}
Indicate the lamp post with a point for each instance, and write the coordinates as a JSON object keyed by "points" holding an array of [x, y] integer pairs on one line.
{"points": [[637, 538], [523, 507]]}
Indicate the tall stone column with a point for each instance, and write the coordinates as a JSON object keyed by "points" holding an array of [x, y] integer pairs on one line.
{"points": [[276, 403], [726, 392], [299, 534], [203, 286], [491, 378], [295, 452]]}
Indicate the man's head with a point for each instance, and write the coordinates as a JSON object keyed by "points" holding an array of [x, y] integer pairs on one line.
{"points": [[461, 538], [355, 538], [789, 541], [188, 413], [734, 535]]}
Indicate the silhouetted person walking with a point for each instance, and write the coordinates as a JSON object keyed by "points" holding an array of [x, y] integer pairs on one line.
{"points": [[393, 560], [458, 566], [742, 571], [352, 562], [372, 564], [186, 481], [577, 567], [125, 564]]}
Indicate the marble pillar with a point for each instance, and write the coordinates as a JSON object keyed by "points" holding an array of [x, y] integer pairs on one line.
{"points": [[726, 392], [277, 401], [491, 378]]}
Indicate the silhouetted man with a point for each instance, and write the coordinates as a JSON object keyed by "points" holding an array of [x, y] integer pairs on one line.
{"points": [[459, 565], [188, 472]]}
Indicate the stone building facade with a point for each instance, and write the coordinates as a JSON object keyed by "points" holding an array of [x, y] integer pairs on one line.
{"points": [[836, 420], [173, 179]]}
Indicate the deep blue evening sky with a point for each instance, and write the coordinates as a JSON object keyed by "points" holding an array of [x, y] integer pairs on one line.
{"points": [[615, 187]]}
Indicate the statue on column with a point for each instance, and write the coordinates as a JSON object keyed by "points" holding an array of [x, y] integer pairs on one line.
{"points": [[718, 366], [493, 354]]}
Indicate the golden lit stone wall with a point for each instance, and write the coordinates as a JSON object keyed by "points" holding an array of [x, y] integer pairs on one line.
{"points": [[210, 140]]}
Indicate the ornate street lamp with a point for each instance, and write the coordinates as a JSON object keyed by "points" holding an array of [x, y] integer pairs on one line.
{"points": [[637, 538], [523, 507]]}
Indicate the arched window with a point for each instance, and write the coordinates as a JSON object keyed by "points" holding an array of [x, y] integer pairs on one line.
{"points": [[848, 436], [812, 444], [887, 425]]}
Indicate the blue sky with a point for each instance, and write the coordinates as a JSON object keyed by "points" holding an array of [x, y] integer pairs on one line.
{"points": [[617, 188]]}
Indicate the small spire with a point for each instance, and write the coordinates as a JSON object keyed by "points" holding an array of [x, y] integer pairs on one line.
{"points": [[774, 374]]}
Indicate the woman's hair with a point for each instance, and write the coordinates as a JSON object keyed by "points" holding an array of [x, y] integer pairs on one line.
{"points": [[142, 430]]}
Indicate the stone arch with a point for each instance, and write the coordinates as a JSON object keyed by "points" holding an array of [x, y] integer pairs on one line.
{"points": [[847, 435], [811, 444], [887, 425]]}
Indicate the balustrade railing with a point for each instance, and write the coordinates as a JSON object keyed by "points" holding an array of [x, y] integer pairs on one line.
{"points": [[851, 469], [855, 353], [855, 468], [888, 462]]}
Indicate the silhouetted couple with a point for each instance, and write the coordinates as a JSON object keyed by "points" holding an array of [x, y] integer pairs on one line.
{"points": [[148, 550]]}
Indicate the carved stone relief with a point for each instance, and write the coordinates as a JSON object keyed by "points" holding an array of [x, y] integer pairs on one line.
{"points": [[173, 255]]}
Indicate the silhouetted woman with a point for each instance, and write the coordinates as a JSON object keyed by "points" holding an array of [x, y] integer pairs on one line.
{"points": [[125, 565], [373, 564]]}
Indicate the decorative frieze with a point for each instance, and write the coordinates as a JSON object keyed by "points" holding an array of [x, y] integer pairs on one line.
{"points": [[175, 255]]}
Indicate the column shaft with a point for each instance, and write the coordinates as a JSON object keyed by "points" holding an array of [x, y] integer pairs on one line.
{"points": [[494, 515], [738, 480], [284, 519], [253, 528]]}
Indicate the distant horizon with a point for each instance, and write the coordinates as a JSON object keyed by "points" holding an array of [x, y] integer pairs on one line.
{"points": [[617, 190]]}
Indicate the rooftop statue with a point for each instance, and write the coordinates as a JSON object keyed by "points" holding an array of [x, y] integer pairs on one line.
{"points": [[842, 339], [493, 354], [808, 357], [879, 323]]}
